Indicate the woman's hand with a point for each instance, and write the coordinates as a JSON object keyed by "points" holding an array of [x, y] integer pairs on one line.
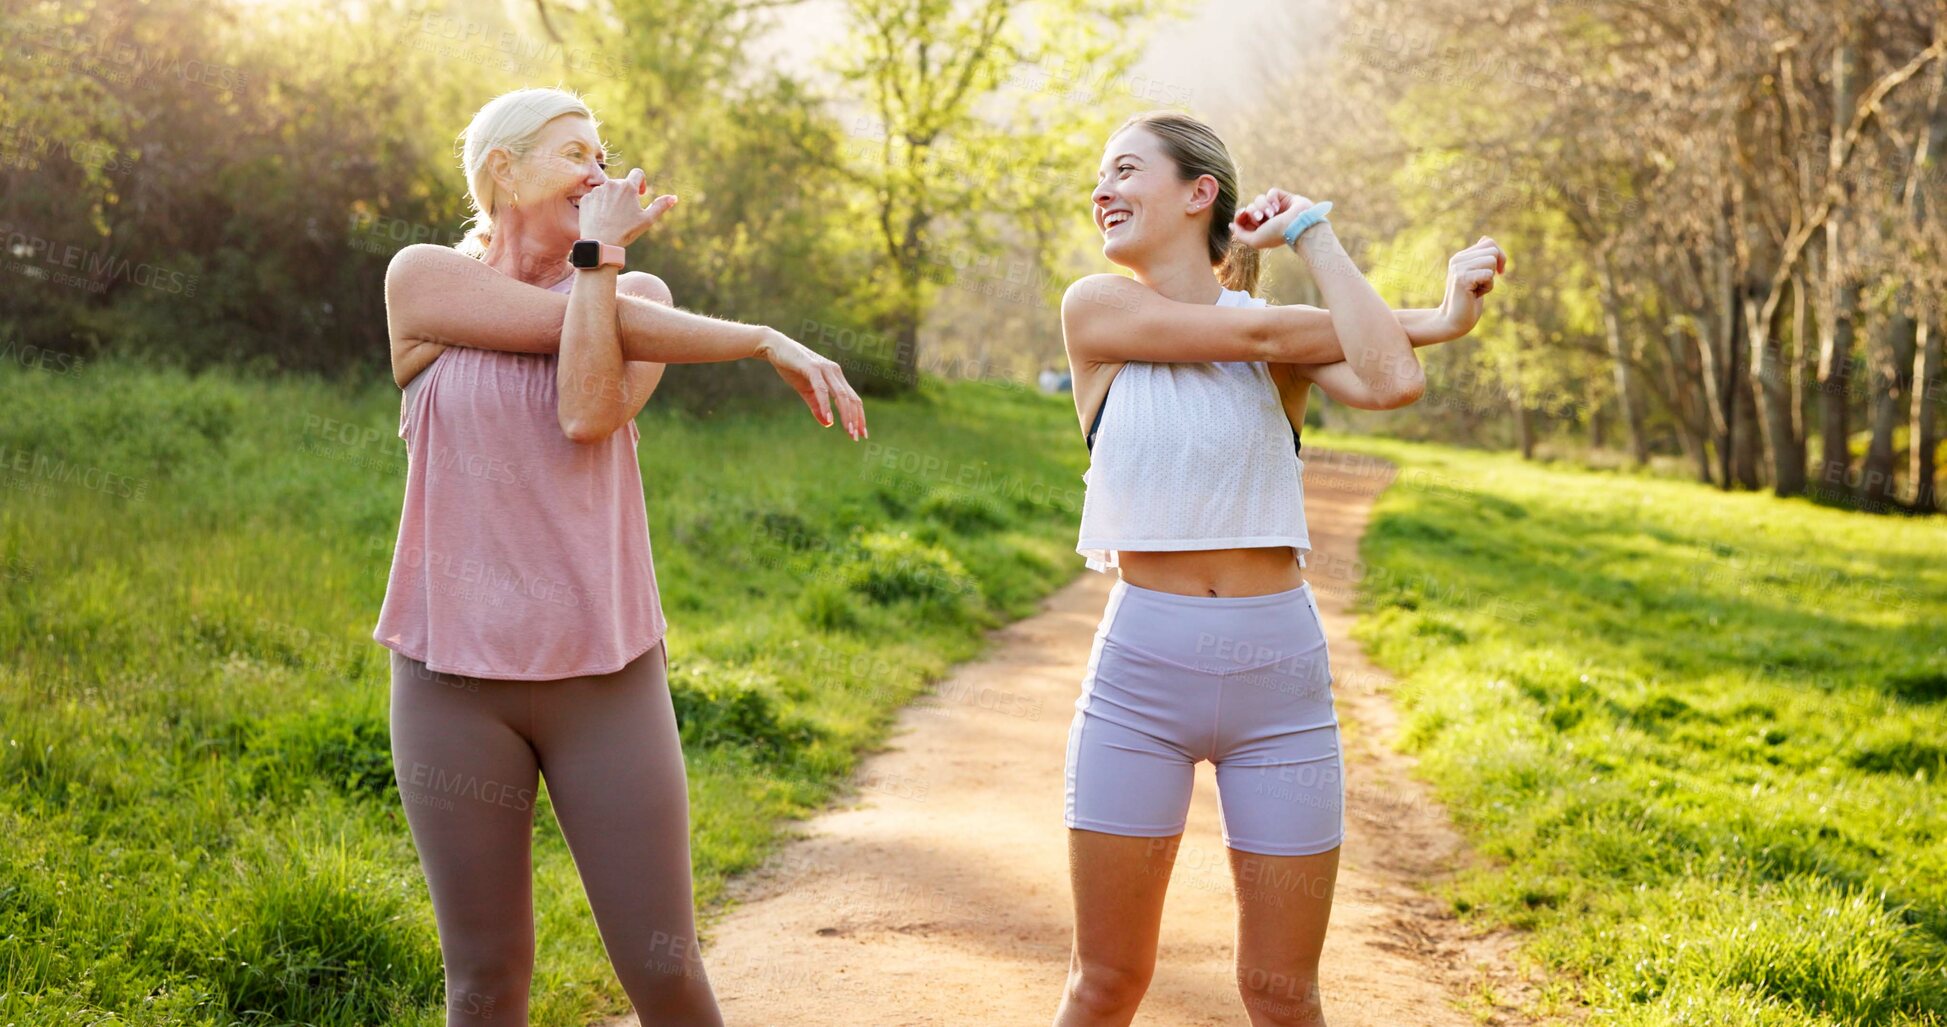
{"points": [[817, 378], [613, 212], [1261, 222], [1470, 277]]}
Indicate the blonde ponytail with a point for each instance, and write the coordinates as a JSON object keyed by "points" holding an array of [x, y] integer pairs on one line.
{"points": [[1239, 268]]}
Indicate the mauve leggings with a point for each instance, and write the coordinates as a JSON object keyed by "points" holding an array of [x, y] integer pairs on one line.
{"points": [[468, 752]]}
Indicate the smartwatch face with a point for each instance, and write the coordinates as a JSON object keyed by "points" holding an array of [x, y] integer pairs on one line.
{"points": [[586, 253]]}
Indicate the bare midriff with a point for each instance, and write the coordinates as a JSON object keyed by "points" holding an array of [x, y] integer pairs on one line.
{"points": [[1214, 572]]}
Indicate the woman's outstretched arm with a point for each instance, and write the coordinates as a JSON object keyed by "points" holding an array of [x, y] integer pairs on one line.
{"points": [[436, 295], [1108, 317]]}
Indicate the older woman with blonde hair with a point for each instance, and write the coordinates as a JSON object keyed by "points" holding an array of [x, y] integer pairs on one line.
{"points": [[522, 611]]}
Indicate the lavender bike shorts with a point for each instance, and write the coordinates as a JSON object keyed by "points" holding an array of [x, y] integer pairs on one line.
{"points": [[1241, 681]]}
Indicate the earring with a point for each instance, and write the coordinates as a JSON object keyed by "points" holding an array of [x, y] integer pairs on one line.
{"points": [[517, 197]]}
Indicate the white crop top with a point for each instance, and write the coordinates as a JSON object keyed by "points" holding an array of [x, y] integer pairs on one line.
{"points": [[1192, 456]]}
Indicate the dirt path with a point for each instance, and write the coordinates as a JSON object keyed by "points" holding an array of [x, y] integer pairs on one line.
{"points": [[940, 896]]}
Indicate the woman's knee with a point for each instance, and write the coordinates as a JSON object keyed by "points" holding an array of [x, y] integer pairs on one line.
{"points": [[479, 984], [669, 977], [1107, 987]]}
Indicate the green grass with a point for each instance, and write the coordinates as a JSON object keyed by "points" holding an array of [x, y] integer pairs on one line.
{"points": [[1699, 738], [196, 789], [1696, 737]]}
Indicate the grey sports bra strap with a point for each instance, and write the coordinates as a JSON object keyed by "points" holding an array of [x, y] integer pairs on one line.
{"points": [[1297, 445]]}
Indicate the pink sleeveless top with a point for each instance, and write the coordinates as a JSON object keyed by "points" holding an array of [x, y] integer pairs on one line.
{"points": [[522, 554]]}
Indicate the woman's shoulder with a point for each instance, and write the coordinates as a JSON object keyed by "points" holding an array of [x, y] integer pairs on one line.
{"points": [[1102, 290], [430, 254]]}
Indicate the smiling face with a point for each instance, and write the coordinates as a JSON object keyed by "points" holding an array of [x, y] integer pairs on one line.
{"points": [[1142, 204], [567, 161]]}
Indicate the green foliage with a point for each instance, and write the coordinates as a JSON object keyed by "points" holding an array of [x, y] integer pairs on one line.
{"points": [[277, 179], [891, 568], [331, 746], [718, 705], [1695, 735], [829, 606], [248, 179], [964, 510], [195, 778], [312, 941]]}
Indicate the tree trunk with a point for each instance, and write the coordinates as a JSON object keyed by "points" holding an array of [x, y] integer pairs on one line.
{"points": [[1737, 440], [1842, 298], [1891, 355], [1785, 455], [1899, 346], [1524, 428], [1677, 370], [1746, 440], [906, 317], [1627, 402], [1598, 426], [1742, 460], [1924, 435], [1715, 398], [1801, 323], [1721, 353]]}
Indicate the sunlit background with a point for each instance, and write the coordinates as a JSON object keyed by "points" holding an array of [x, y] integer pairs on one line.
{"points": [[1661, 575], [283, 148]]}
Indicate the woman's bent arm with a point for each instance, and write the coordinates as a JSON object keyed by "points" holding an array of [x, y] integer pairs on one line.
{"points": [[1377, 349], [590, 389], [596, 391]]}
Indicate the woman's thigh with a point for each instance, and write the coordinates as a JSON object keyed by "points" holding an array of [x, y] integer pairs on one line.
{"points": [[613, 761], [468, 780], [1118, 884], [1283, 906]]}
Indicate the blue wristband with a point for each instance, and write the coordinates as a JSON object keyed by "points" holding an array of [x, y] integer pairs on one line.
{"points": [[1312, 215]]}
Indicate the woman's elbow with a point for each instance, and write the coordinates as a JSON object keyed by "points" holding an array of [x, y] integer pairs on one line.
{"points": [[1392, 379], [584, 430], [1402, 390]]}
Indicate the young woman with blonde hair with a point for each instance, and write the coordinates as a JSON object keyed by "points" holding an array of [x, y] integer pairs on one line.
{"points": [[1191, 392]]}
